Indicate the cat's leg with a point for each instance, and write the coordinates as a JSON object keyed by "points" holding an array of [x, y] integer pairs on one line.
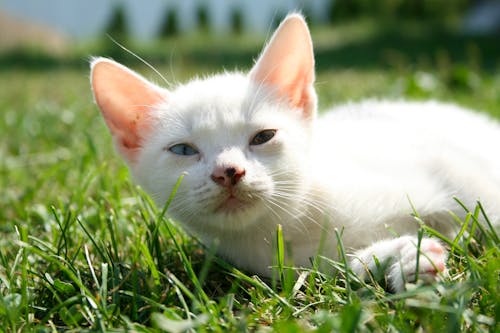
{"points": [[400, 257]]}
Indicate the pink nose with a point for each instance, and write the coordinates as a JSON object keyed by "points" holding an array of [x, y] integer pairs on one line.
{"points": [[227, 176]]}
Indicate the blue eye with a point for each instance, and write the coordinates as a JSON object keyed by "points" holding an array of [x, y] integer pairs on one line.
{"points": [[183, 149]]}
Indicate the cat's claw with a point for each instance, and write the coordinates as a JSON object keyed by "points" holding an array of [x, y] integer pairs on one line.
{"points": [[406, 261]]}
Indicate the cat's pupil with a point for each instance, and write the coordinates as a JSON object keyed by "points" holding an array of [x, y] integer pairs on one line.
{"points": [[183, 149], [263, 137]]}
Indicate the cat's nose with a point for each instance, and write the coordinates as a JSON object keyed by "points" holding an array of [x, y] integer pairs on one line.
{"points": [[227, 176]]}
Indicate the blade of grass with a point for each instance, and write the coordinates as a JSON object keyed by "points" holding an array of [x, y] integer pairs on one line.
{"points": [[343, 257], [23, 235], [280, 255], [91, 238], [420, 235], [143, 249], [493, 234]]}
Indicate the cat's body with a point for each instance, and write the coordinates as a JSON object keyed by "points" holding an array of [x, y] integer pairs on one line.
{"points": [[255, 156]]}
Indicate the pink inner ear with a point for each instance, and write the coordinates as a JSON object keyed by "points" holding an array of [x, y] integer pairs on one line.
{"points": [[298, 90], [125, 100], [287, 63]]}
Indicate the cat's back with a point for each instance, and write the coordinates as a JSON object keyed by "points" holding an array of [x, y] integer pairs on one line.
{"points": [[384, 151], [431, 116], [393, 126]]}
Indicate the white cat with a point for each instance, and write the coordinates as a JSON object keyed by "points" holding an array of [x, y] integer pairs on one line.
{"points": [[255, 155]]}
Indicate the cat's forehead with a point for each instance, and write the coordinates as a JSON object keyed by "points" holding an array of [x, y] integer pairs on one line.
{"points": [[215, 101], [221, 107]]}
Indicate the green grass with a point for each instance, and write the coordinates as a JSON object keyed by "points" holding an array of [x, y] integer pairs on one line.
{"points": [[82, 248]]}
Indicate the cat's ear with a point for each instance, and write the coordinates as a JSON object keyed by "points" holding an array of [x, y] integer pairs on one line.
{"points": [[287, 64], [126, 100]]}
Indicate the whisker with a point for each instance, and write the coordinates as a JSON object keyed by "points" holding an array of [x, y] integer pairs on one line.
{"points": [[139, 58]]}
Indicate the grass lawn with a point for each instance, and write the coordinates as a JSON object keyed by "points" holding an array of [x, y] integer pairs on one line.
{"points": [[81, 248]]}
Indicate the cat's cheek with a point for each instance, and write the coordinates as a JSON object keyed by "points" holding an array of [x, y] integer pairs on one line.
{"points": [[183, 162], [157, 172]]}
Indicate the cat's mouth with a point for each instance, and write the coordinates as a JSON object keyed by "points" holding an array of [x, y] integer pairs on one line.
{"points": [[232, 204]]}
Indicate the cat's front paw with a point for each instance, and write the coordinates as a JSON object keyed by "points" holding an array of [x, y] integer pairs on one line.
{"points": [[423, 264], [402, 260]]}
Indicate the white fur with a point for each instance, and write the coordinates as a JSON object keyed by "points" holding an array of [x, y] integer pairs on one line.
{"points": [[358, 170]]}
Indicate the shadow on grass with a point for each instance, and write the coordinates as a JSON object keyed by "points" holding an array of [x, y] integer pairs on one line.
{"points": [[391, 46]]}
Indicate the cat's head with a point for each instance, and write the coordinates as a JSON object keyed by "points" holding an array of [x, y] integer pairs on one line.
{"points": [[241, 140]]}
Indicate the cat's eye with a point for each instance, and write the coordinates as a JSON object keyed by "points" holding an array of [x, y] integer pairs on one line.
{"points": [[183, 149], [263, 137]]}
